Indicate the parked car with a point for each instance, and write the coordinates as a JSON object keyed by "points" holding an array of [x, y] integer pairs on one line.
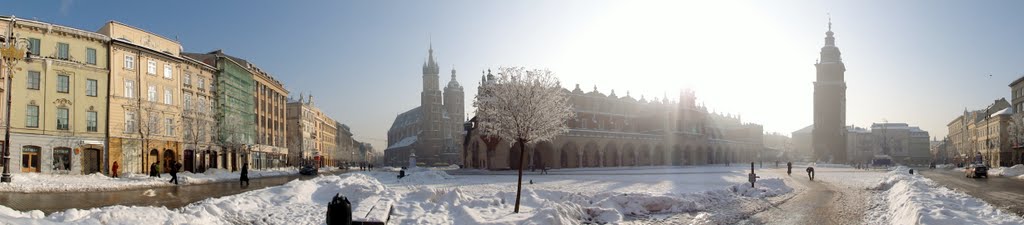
{"points": [[974, 171], [307, 170]]}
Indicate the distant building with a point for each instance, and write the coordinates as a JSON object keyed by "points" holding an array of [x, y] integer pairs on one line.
{"points": [[860, 147], [984, 133], [311, 134], [433, 130], [779, 143], [829, 141], [613, 131], [904, 143], [802, 149]]}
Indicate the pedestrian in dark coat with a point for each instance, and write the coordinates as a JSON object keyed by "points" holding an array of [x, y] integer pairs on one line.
{"points": [[113, 169], [245, 175], [789, 168], [152, 170], [174, 172], [810, 172]]}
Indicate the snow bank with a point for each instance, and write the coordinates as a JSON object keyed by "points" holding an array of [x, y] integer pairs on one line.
{"points": [[913, 199], [297, 202], [945, 166], [1014, 171], [37, 182], [427, 197]]}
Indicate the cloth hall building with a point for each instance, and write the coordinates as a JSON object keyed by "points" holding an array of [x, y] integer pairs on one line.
{"points": [[613, 131]]}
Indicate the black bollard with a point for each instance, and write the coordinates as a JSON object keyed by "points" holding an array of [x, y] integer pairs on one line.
{"points": [[339, 211], [911, 171]]}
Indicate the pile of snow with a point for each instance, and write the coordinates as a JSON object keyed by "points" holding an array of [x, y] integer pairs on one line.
{"points": [[1014, 171], [913, 199], [296, 202], [945, 166], [37, 182]]}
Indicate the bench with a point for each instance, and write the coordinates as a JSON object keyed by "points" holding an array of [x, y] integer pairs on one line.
{"points": [[373, 211]]}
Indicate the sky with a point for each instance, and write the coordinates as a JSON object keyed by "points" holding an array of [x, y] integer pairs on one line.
{"points": [[917, 62]]}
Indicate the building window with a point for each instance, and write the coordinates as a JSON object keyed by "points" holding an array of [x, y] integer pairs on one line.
{"points": [[168, 97], [170, 126], [151, 69], [33, 80], [90, 56], [62, 51], [129, 62], [129, 88], [32, 116], [91, 87], [91, 121], [62, 83], [188, 79], [62, 118], [188, 102], [33, 46], [30, 158], [152, 93], [61, 158], [129, 122], [168, 71], [202, 81]]}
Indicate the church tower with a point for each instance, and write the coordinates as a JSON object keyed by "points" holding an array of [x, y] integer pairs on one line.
{"points": [[454, 104], [430, 106], [829, 134]]}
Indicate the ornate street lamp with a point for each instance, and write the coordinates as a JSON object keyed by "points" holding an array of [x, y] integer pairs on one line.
{"points": [[11, 56]]}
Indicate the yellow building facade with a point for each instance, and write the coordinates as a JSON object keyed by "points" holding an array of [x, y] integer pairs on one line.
{"points": [[145, 99], [58, 99]]}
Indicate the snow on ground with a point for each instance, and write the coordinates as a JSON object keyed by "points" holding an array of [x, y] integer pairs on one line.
{"points": [[435, 197], [1013, 171], [37, 182], [913, 199]]}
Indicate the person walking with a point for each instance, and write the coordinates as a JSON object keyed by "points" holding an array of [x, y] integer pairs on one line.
{"points": [[244, 175], [810, 172], [152, 170], [113, 170], [175, 166], [789, 168]]}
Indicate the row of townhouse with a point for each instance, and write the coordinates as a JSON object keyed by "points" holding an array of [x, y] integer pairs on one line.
{"points": [[82, 102]]}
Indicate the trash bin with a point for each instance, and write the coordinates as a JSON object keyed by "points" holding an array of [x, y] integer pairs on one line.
{"points": [[911, 171], [339, 211]]}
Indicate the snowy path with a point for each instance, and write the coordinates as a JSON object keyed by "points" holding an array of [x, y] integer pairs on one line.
{"points": [[817, 202]]}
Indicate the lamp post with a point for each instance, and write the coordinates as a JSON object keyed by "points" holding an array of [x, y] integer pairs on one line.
{"points": [[11, 55]]}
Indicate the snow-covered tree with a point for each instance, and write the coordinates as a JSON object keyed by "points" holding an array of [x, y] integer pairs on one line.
{"points": [[522, 106]]}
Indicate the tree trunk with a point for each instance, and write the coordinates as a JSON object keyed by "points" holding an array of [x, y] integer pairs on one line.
{"points": [[519, 187]]}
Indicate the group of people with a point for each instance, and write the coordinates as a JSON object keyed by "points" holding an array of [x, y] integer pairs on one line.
{"points": [[810, 170], [365, 167], [175, 166]]}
